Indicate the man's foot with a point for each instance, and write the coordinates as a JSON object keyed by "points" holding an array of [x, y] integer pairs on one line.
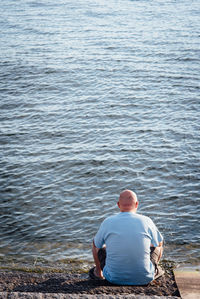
{"points": [[93, 274]]}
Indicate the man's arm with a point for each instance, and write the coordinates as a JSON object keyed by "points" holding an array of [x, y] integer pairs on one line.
{"points": [[98, 272]]}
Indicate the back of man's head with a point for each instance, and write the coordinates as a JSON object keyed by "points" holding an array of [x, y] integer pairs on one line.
{"points": [[128, 201]]}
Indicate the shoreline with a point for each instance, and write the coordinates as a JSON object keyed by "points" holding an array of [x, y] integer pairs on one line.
{"points": [[79, 283]]}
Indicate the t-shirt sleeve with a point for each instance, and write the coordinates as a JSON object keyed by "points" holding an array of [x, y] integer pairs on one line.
{"points": [[156, 236], [99, 237]]}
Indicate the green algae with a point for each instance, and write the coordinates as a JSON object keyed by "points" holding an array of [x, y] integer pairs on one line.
{"points": [[43, 266]]}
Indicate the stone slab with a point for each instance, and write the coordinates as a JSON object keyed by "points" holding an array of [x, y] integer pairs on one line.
{"points": [[188, 282], [19, 295]]}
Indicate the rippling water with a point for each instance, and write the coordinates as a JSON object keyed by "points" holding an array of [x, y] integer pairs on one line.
{"points": [[98, 96]]}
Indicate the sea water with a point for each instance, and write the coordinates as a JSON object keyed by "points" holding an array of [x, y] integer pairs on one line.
{"points": [[98, 96]]}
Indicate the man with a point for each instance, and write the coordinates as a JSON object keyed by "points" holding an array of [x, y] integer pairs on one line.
{"points": [[127, 246]]}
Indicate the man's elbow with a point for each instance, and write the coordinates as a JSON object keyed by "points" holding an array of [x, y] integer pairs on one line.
{"points": [[159, 245]]}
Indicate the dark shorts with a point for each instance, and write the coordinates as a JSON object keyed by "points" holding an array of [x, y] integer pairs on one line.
{"points": [[154, 256]]}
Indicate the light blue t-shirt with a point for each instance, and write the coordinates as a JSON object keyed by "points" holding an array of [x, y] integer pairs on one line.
{"points": [[128, 237]]}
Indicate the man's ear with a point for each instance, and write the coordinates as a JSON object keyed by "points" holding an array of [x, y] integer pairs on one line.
{"points": [[136, 204], [118, 204]]}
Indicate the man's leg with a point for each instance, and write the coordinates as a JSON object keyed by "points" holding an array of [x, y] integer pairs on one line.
{"points": [[102, 257], [155, 256]]}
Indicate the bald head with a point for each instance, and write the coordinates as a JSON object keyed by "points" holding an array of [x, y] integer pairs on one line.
{"points": [[128, 201]]}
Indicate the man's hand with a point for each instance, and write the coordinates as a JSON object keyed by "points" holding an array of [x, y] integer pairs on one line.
{"points": [[98, 273]]}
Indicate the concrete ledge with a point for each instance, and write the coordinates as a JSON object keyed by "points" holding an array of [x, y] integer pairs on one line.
{"points": [[188, 282], [17, 295]]}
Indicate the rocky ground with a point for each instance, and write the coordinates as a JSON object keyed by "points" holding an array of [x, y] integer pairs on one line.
{"points": [[18, 281]]}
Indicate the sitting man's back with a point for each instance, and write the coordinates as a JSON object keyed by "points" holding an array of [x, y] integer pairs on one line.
{"points": [[128, 239]]}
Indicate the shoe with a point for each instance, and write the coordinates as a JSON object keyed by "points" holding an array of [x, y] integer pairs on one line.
{"points": [[159, 272]]}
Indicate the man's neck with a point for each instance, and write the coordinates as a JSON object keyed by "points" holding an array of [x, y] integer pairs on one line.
{"points": [[129, 211]]}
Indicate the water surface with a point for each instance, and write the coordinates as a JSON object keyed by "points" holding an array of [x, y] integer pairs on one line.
{"points": [[97, 96]]}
